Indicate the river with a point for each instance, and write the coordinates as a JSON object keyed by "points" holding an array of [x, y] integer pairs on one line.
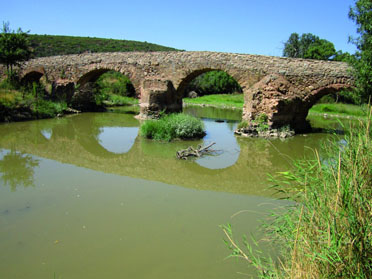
{"points": [[85, 196]]}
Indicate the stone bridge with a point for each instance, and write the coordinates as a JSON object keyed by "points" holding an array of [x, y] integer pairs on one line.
{"points": [[282, 88]]}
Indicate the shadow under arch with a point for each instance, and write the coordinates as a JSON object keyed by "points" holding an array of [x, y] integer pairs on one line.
{"points": [[32, 76]]}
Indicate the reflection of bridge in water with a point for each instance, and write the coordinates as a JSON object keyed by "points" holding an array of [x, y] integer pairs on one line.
{"points": [[75, 140]]}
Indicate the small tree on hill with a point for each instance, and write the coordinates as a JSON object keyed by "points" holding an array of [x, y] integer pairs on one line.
{"points": [[14, 47]]}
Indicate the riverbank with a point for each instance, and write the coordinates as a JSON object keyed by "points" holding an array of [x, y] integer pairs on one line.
{"points": [[233, 101], [22, 106]]}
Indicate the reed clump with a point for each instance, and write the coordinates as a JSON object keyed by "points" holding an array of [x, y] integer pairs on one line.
{"points": [[327, 232]]}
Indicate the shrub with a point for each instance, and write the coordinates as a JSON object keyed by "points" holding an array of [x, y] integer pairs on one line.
{"points": [[173, 126], [47, 109]]}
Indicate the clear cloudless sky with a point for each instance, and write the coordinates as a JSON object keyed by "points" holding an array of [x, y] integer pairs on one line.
{"points": [[240, 26]]}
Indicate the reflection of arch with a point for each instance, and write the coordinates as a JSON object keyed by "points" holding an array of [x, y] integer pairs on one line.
{"points": [[118, 140]]}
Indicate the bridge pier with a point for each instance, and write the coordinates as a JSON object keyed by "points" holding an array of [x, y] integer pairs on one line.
{"points": [[158, 95]]}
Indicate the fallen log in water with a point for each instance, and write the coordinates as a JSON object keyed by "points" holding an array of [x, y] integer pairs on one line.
{"points": [[190, 151]]}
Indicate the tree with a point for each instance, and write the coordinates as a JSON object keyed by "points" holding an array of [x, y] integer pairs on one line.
{"points": [[308, 46], [14, 46], [343, 56], [361, 13], [292, 46], [321, 50]]}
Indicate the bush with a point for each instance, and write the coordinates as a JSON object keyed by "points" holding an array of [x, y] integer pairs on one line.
{"points": [[173, 126], [47, 109]]}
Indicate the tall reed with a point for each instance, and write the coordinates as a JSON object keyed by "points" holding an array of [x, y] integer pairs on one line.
{"points": [[327, 233]]}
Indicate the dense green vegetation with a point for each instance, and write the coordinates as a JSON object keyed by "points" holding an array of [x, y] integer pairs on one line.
{"points": [[214, 82], [327, 233], [312, 47], [32, 101], [173, 126], [218, 100], [49, 45], [27, 102]]}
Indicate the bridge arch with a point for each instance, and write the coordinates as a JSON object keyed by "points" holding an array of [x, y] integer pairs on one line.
{"points": [[91, 75], [32, 75]]}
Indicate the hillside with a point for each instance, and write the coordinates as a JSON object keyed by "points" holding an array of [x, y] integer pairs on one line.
{"points": [[49, 45]]}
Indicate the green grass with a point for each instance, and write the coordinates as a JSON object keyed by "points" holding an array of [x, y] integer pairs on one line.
{"points": [[340, 109], [173, 126], [218, 100], [117, 100], [327, 233], [49, 45]]}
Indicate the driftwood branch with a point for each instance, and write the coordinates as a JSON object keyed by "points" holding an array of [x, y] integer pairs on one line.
{"points": [[190, 151]]}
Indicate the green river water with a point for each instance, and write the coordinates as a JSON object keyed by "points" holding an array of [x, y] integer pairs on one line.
{"points": [[85, 196]]}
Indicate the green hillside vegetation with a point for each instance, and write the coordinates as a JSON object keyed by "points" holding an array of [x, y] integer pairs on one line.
{"points": [[50, 45]]}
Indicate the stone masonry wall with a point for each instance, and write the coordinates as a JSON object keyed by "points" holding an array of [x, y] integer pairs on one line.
{"points": [[178, 68]]}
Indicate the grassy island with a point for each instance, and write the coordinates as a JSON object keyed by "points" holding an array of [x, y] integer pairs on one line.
{"points": [[173, 126]]}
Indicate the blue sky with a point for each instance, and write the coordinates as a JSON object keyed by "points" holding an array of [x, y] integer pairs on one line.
{"points": [[240, 26]]}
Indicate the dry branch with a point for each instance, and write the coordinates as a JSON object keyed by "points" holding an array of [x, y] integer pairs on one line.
{"points": [[190, 151]]}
